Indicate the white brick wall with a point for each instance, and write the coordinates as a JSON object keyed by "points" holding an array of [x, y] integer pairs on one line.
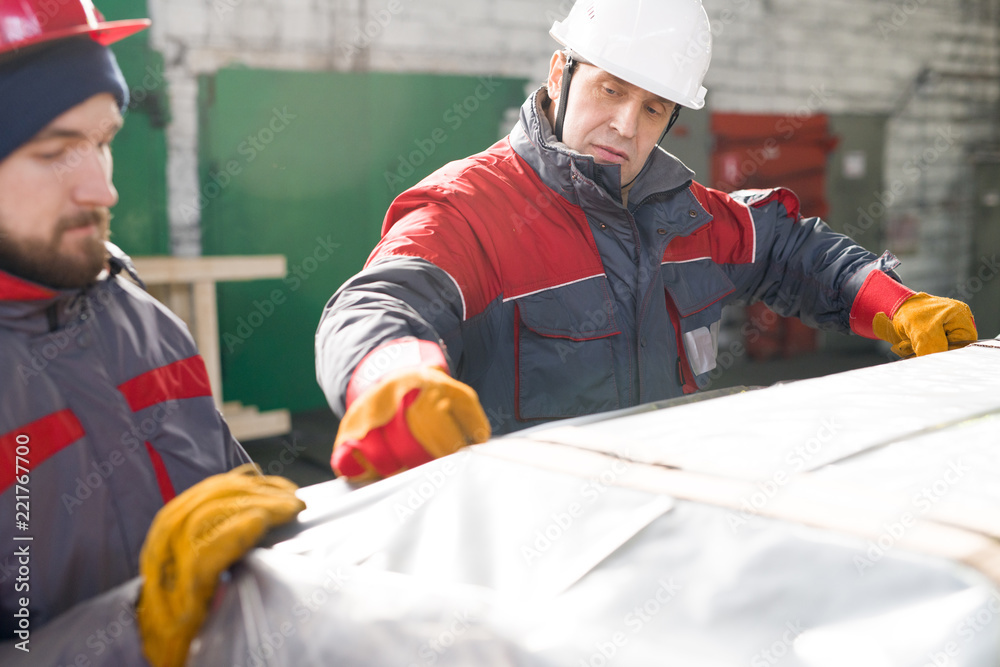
{"points": [[770, 56]]}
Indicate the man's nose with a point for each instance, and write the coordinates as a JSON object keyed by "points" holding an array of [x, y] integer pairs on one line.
{"points": [[92, 185], [626, 118]]}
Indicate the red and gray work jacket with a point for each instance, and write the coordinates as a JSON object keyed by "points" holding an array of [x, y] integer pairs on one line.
{"points": [[553, 299], [105, 414]]}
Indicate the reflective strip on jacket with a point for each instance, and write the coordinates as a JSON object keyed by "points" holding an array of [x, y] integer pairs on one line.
{"points": [[552, 299]]}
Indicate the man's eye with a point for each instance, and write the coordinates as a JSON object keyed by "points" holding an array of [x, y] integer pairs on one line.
{"points": [[653, 111], [610, 91], [51, 154]]}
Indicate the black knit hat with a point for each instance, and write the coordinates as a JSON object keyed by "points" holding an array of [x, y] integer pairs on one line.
{"points": [[40, 85]]}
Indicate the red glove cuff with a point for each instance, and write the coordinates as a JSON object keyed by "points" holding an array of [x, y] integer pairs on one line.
{"points": [[389, 449], [878, 294], [393, 356]]}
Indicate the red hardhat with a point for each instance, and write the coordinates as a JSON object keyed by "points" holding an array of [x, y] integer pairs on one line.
{"points": [[25, 23]]}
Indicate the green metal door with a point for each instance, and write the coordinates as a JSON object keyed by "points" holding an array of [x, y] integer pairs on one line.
{"points": [[140, 225], [305, 164]]}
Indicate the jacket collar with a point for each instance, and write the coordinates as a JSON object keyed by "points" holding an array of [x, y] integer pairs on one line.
{"points": [[13, 288], [558, 165], [35, 309]]}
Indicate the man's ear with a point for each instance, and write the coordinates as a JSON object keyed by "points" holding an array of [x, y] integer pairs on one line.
{"points": [[556, 66]]}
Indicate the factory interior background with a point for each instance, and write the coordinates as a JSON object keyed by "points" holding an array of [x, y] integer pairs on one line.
{"points": [[286, 127]]}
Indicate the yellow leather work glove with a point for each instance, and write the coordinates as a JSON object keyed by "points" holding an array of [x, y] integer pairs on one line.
{"points": [[409, 418], [925, 324], [193, 539]]}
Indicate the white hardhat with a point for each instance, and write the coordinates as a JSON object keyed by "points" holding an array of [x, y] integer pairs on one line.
{"points": [[663, 46]]}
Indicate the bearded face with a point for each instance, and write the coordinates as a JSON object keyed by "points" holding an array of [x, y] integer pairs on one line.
{"points": [[72, 256], [55, 196]]}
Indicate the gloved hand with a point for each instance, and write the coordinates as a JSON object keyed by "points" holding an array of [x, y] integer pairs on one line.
{"points": [[409, 418], [192, 540], [925, 324]]}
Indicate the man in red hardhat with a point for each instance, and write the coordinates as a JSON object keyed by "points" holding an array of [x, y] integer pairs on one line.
{"points": [[576, 267], [106, 413]]}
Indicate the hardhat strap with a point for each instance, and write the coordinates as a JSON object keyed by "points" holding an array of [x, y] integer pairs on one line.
{"points": [[567, 77], [670, 123]]}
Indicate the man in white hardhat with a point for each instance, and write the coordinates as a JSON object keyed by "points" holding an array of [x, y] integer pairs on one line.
{"points": [[576, 267], [106, 413]]}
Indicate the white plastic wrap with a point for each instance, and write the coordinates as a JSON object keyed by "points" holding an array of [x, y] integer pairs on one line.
{"points": [[478, 559]]}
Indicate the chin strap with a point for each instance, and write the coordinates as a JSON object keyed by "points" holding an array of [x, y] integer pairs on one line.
{"points": [[670, 123], [567, 78]]}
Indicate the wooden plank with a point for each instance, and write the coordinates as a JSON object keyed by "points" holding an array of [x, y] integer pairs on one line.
{"points": [[187, 285], [206, 333], [248, 424], [180, 299], [157, 270]]}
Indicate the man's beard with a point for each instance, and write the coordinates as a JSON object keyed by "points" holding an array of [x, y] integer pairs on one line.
{"points": [[43, 263]]}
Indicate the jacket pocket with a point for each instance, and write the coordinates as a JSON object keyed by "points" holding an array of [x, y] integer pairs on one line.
{"points": [[564, 353], [697, 290]]}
